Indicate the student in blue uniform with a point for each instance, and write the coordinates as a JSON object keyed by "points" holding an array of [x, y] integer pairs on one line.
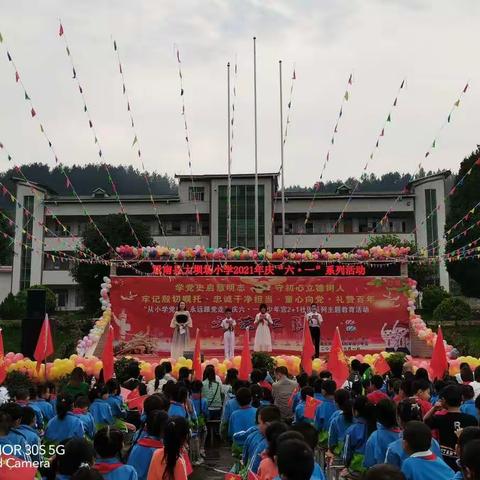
{"points": [[340, 421], [468, 404], [179, 396], [12, 442], [386, 433], [22, 397], [302, 381], [28, 430], [201, 409], [325, 410], [422, 464], [299, 412], [407, 410], [142, 451], [310, 436], [108, 444], [266, 416], [115, 400], [99, 406], [76, 452], [230, 406], [81, 411], [356, 436], [470, 460], [243, 418], [317, 386], [64, 424], [40, 396], [156, 401]]}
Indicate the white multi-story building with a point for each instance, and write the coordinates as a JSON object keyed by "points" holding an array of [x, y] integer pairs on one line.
{"points": [[417, 216]]}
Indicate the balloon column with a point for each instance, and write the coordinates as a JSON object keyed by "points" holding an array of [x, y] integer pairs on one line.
{"points": [[86, 346]]}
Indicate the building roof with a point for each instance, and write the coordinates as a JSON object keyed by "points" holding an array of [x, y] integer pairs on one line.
{"points": [[113, 199], [429, 178], [332, 195], [224, 175], [39, 186]]}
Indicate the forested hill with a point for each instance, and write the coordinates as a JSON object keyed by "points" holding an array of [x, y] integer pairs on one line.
{"points": [[130, 181]]}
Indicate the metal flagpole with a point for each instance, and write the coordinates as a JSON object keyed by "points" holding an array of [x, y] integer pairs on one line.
{"points": [[229, 159], [255, 127], [281, 154]]}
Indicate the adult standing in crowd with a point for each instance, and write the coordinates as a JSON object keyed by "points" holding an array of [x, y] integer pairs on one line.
{"points": [[282, 390], [314, 320]]}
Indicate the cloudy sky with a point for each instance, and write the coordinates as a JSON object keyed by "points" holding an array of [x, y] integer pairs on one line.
{"points": [[431, 43]]}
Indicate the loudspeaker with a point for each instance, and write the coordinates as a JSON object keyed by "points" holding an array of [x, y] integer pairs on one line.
{"points": [[32, 324]]}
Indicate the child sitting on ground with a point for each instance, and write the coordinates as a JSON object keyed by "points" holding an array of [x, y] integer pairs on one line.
{"points": [[422, 464]]}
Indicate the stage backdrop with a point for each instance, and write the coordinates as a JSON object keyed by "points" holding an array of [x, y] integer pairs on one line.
{"points": [[371, 312]]}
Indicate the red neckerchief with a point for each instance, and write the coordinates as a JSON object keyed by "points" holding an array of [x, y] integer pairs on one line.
{"points": [[107, 467], [79, 411], [430, 457], [245, 407], [150, 442]]}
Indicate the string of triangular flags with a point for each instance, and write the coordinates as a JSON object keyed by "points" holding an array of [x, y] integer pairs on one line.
{"points": [[136, 139], [388, 119], [433, 145], [95, 136], [187, 137]]}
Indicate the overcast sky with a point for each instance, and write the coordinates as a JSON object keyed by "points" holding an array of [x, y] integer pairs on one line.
{"points": [[433, 43]]}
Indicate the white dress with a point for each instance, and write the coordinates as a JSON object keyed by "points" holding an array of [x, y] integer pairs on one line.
{"points": [[181, 335], [228, 324], [263, 338]]}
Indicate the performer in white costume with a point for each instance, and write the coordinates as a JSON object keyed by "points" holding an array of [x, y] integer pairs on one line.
{"points": [[181, 323], [228, 325], [263, 337]]}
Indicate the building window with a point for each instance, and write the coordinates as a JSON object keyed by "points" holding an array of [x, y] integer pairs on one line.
{"points": [[26, 251], [79, 298], [196, 194], [62, 297], [173, 228], [55, 262], [242, 216], [431, 220], [309, 228]]}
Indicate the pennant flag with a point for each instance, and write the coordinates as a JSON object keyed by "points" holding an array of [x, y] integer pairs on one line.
{"points": [[294, 76], [389, 118], [346, 96], [26, 96], [115, 45], [449, 117], [457, 103], [438, 363], [3, 368], [308, 349], [466, 88], [337, 363], [9, 57], [381, 365], [107, 356], [1, 38], [403, 83], [178, 56], [197, 359], [382, 133], [311, 405], [434, 144], [33, 112], [60, 30], [246, 361], [17, 76], [67, 183], [395, 102], [44, 346], [350, 78]]}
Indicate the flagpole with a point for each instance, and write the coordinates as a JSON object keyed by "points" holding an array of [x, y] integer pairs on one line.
{"points": [[281, 153], [229, 160], [255, 135]]}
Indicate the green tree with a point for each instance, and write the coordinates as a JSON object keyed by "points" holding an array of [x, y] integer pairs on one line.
{"points": [[117, 232], [465, 272], [6, 243], [452, 310], [423, 273]]}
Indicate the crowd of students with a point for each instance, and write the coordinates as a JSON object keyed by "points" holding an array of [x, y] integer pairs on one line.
{"points": [[401, 426]]}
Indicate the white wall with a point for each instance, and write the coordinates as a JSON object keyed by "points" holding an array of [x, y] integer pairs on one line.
{"points": [[5, 282]]}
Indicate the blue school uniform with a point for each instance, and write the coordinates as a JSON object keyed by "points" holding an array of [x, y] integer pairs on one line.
{"points": [[377, 444], [113, 469], [426, 466], [319, 396], [337, 431], [116, 404], [355, 442], [39, 419], [396, 454], [32, 440], [60, 429], [101, 412], [256, 457], [141, 455], [469, 408], [241, 420], [297, 398], [45, 407], [88, 422], [200, 406], [317, 473], [249, 440], [230, 407], [14, 444], [323, 414], [177, 410], [299, 416]]}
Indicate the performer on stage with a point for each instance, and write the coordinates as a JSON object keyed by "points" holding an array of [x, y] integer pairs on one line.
{"points": [[263, 338], [181, 323], [314, 319], [228, 325]]}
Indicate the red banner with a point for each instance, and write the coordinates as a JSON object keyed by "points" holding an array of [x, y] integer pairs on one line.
{"points": [[371, 312]]}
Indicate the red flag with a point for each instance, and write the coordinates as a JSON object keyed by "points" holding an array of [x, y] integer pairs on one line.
{"points": [[337, 363], [439, 363], [137, 403], [197, 359], [3, 368], [44, 346], [60, 30], [232, 476], [107, 356], [246, 362], [381, 365], [308, 349], [311, 405]]}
